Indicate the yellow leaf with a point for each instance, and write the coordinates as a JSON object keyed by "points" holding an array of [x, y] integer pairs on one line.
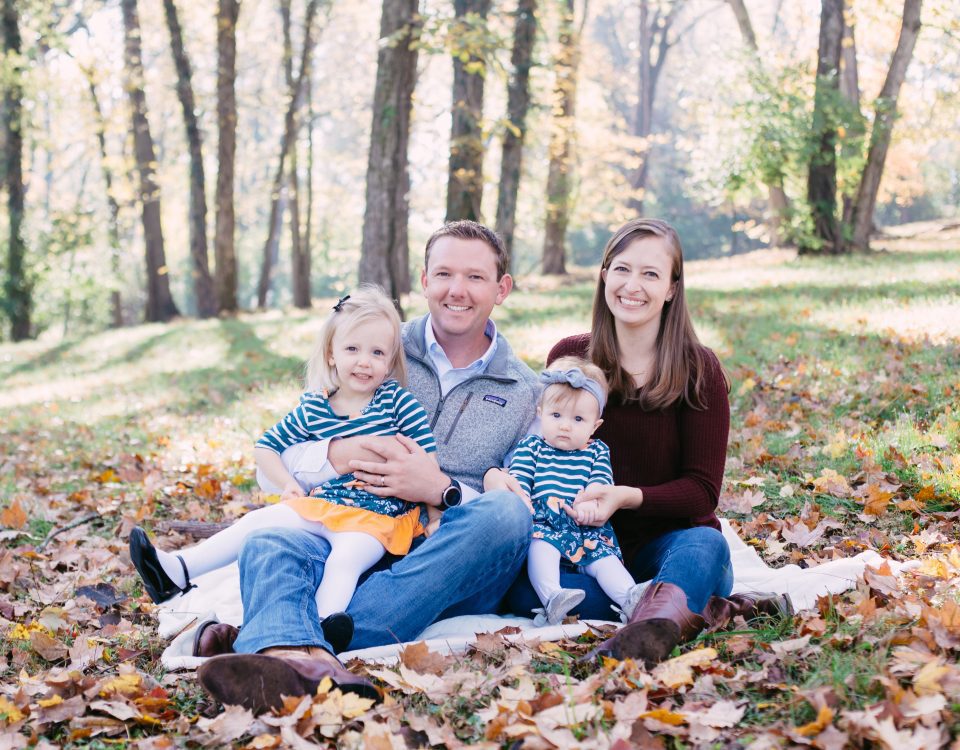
{"points": [[9, 712], [549, 648], [927, 681], [125, 683], [823, 720], [746, 386], [47, 702], [679, 671], [665, 716]]}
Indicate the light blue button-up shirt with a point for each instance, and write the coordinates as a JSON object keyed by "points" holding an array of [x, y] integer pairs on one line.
{"points": [[451, 376]]}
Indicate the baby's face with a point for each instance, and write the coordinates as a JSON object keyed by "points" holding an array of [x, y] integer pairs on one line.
{"points": [[568, 422]]}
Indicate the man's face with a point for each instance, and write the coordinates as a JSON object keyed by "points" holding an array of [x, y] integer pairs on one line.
{"points": [[461, 287]]}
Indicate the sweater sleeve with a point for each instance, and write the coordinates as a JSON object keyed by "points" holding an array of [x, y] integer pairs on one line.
{"points": [[703, 452]]}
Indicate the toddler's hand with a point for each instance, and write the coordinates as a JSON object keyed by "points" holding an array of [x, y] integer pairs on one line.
{"points": [[431, 527], [291, 491]]}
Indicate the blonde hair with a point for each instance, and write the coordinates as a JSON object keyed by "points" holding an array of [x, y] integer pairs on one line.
{"points": [[562, 393], [367, 302], [680, 363]]}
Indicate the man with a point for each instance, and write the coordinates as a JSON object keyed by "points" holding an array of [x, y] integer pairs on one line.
{"points": [[481, 400]]}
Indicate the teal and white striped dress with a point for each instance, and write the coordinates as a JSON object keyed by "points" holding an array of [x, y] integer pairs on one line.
{"points": [[552, 476], [391, 410]]}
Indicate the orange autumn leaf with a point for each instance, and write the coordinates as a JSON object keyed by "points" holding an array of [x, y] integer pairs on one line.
{"points": [[13, 516], [665, 716], [823, 720]]}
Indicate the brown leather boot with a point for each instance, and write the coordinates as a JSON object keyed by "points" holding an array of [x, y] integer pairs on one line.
{"points": [[660, 622], [214, 638], [259, 681], [721, 610]]}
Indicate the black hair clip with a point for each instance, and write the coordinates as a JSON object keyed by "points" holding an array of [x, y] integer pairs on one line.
{"points": [[336, 307]]}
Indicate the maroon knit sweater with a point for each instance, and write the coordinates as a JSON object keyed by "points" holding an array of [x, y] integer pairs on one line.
{"points": [[675, 455]]}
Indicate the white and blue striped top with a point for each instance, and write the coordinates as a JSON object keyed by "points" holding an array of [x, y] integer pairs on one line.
{"points": [[392, 409], [545, 472]]}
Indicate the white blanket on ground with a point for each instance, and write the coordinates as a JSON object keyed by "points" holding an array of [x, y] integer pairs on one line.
{"points": [[217, 597]]}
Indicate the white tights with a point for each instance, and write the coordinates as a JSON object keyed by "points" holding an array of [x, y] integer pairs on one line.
{"points": [[543, 568], [351, 553]]}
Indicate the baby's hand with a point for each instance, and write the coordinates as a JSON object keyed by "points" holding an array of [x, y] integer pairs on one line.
{"points": [[431, 527]]}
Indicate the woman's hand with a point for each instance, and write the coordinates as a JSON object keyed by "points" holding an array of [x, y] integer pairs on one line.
{"points": [[594, 505], [500, 479]]}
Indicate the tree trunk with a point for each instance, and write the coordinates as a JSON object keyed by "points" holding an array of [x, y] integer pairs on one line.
{"points": [[113, 227], [465, 174], [307, 251], [384, 252], [777, 202], [160, 304], [224, 247], [299, 262], [562, 143], [202, 280], [653, 35], [822, 177], [290, 129], [884, 116], [518, 102], [850, 92], [17, 287]]}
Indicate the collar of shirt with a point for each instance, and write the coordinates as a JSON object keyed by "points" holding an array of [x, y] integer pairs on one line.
{"points": [[451, 376]]}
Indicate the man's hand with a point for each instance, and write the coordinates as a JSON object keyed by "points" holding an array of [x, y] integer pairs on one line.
{"points": [[344, 450], [401, 469], [499, 479], [595, 504]]}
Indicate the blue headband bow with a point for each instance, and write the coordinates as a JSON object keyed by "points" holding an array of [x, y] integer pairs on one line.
{"points": [[575, 378]]}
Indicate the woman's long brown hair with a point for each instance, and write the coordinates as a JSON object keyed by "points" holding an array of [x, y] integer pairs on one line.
{"points": [[680, 361]]}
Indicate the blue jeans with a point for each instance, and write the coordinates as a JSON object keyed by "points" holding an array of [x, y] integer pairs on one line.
{"points": [[696, 559], [464, 568]]}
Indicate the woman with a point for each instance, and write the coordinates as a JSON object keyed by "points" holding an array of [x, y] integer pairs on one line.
{"points": [[666, 424]]}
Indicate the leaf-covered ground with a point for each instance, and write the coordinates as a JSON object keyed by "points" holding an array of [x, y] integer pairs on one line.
{"points": [[846, 436]]}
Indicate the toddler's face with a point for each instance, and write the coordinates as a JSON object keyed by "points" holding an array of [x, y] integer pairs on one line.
{"points": [[568, 422]]}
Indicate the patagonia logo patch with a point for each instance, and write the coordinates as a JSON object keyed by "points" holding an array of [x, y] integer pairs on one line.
{"points": [[495, 400]]}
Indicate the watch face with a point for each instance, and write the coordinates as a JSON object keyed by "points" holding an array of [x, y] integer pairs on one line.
{"points": [[451, 496]]}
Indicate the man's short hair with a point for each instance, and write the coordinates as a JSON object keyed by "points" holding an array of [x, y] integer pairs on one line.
{"points": [[471, 230]]}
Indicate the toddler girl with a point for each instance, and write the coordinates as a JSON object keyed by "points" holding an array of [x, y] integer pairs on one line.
{"points": [[552, 470], [352, 389]]}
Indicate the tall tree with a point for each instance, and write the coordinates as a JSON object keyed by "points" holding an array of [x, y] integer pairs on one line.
{"points": [[385, 250], [822, 176], [113, 230], [654, 37], [884, 117], [465, 173], [291, 126], [224, 249], [299, 252], [17, 288], [160, 304], [850, 93], [777, 202], [518, 102], [562, 140], [202, 280]]}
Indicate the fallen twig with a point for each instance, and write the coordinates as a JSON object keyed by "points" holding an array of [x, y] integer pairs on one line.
{"points": [[73, 524]]}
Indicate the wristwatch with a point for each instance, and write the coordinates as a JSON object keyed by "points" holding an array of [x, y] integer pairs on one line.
{"points": [[451, 497]]}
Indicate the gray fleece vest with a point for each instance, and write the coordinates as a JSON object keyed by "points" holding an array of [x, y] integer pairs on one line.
{"points": [[479, 421]]}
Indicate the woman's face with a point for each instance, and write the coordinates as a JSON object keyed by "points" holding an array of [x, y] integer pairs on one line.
{"points": [[639, 282]]}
